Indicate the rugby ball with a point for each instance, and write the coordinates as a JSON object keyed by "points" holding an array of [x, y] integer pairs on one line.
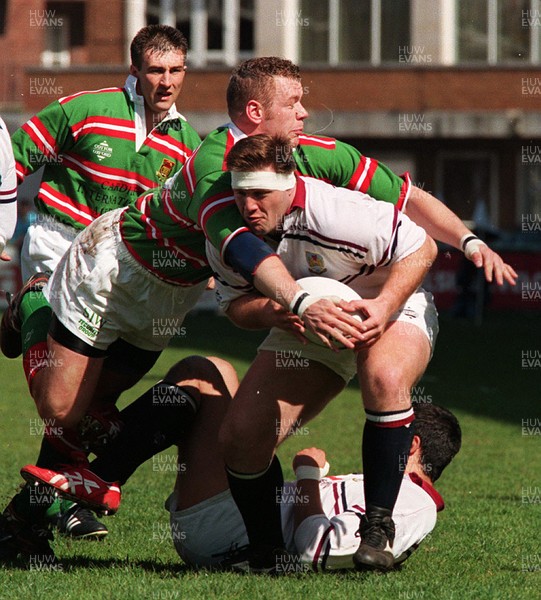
{"points": [[324, 287]]}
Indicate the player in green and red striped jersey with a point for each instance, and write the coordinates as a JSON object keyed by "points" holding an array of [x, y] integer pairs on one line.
{"points": [[101, 150]]}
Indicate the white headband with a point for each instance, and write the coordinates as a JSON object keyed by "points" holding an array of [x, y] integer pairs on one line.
{"points": [[262, 180]]}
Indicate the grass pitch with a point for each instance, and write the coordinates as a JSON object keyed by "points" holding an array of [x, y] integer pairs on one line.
{"points": [[487, 543]]}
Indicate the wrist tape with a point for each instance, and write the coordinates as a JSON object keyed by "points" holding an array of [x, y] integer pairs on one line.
{"points": [[470, 243], [308, 472]]}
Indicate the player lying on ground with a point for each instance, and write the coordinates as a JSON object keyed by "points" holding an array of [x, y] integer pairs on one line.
{"points": [[100, 150], [320, 515]]}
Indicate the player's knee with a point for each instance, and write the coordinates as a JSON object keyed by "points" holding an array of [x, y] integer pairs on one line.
{"points": [[203, 372], [390, 387], [232, 441], [62, 415]]}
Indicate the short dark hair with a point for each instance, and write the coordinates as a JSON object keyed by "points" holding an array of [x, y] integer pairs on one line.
{"points": [[256, 152], [157, 38], [253, 79], [440, 435]]}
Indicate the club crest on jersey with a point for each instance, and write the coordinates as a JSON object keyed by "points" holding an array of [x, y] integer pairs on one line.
{"points": [[316, 264], [165, 169], [102, 150]]}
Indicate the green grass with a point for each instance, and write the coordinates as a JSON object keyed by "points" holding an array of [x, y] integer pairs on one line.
{"points": [[486, 543]]}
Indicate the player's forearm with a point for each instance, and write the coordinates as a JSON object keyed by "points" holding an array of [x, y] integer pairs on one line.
{"points": [[274, 281], [435, 218], [407, 275], [252, 311], [308, 500]]}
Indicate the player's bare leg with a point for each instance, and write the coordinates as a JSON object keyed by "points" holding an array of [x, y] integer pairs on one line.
{"points": [[268, 404], [201, 472], [64, 385], [387, 371]]}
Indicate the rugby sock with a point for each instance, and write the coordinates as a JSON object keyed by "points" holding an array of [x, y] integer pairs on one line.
{"points": [[36, 318], [387, 440], [257, 496], [152, 423]]}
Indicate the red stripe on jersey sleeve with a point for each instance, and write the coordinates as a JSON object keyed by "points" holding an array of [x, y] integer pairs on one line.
{"points": [[188, 174], [362, 178], [320, 141], [39, 134], [173, 212], [405, 190], [21, 171], [213, 205]]}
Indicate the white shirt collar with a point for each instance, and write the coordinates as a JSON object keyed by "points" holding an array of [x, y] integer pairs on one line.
{"points": [[139, 103], [238, 134]]}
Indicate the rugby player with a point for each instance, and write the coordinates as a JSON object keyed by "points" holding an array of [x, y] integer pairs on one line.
{"points": [[101, 149]]}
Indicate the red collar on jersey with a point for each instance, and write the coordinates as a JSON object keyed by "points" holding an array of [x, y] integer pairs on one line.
{"points": [[429, 489], [299, 200]]}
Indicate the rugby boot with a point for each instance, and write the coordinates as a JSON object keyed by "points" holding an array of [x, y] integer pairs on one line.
{"points": [[78, 484], [22, 539], [78, 522], [377, 535]]}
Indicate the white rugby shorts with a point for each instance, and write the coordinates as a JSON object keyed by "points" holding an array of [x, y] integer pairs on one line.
{"points": [[99, 292], [419, 310], [44, 244], [206, 533]]}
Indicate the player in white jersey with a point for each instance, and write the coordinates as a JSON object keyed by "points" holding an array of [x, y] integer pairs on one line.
{"points": [[382, 255], [320, 515], [8, 190]]}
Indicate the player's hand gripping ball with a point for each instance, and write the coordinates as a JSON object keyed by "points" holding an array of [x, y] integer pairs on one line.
{"points": [[332, 290]]}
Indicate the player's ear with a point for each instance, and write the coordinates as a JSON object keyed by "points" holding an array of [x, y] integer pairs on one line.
{"points": [[254, 111], [415, 445], [134, 71]]}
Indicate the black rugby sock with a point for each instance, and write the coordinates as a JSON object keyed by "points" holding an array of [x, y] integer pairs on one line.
{"points": [[152, 423], [258, 498], [387, 440]]}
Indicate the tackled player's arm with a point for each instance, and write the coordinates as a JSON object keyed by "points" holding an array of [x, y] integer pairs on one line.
{"points": [[445, 226]]}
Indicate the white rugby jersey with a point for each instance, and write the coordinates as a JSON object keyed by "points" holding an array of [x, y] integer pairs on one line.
{"points": [[328, 541], [336, 233], [8, 187]]}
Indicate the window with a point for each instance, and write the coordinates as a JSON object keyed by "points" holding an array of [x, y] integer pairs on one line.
{"points": [[352, 31], [529, 192], [218, 31], [467, 184], [3, 15], [64, 25], [498, 31]]}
